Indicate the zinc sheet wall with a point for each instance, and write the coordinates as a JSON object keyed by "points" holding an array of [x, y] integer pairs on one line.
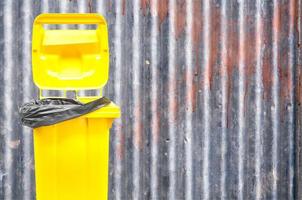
{"points": [[210, 91]]}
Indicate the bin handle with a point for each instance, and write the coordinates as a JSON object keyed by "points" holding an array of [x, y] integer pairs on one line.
{"points": [[69, 18], [77, 96]]}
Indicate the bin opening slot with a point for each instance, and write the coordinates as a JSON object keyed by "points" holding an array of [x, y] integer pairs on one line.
{"points": [[70, 26]]}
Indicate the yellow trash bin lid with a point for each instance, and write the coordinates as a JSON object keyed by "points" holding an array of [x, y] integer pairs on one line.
{"points": [[70, 59]]}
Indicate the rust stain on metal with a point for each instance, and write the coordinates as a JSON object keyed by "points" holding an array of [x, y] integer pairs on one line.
{"points": [[284, 59], [287, 25], [249, 55], [232, 61], [144, 5], [180, 18], [215, 42], [197, 29], [298, 105], [123, 7], [196, 37], [162, 8], [266, 65]]}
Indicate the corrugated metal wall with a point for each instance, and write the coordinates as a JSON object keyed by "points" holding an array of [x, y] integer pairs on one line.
{"points": [[210, 90]]}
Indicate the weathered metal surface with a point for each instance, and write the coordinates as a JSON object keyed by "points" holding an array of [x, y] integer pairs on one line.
{"points": [[298, 108], [210, 91]]}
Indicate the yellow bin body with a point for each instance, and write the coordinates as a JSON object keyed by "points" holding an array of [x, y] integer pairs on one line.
{"points": [[71, 157]]}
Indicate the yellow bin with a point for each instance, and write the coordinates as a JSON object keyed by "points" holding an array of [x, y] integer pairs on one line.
{"points": [[71, 157]]}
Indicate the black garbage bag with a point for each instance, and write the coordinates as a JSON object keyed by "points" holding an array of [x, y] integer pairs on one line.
{"points": [[54, 110]]}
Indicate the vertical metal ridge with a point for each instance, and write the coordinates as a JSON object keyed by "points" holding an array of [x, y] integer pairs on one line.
{"points": [[63, 6], [241, 100], [45, 9], [27, 88], [82, 7], [171, 101], [154, 100], [224, 83], [206, 98], [63, 9], [7, 104], [136, 101], [275, 94], [45, 6], [258, 93], [298, 104], [101, 7], [189, 100], [118, 99], [291, 56]]}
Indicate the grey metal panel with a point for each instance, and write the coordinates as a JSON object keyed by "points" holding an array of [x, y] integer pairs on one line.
{"points": [[210, 94], [298, 110]]}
